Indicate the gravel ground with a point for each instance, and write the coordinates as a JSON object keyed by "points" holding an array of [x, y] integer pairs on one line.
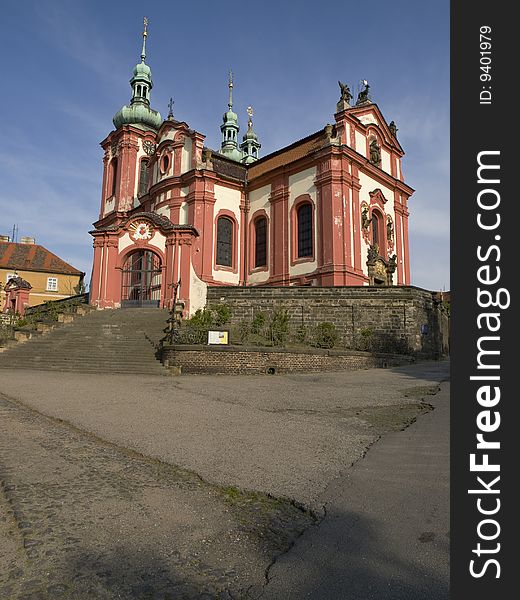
{"points": [[283, 435], [136, 487], [83, 519]]}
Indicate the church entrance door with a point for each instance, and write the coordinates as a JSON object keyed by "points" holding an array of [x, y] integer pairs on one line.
{"points": [[142, 278]]}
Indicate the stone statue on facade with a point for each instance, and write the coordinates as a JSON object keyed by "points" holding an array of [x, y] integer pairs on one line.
{"points": [[393, 129], [389, 229], [365, 221], [373, 253], [375, 153]]}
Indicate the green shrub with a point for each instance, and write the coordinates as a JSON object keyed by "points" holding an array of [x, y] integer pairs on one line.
{"points": [[364, 340], [202, 318], [279, 327], [221, 314], [301, 334], [243, 331], [212, 316], [258, 322], [324, 335]]}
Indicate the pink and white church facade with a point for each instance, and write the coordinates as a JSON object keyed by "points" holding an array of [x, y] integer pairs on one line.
{"points": [[176, 217]]}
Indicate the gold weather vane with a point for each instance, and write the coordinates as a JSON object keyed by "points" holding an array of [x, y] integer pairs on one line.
{"points": [[145, 22]]}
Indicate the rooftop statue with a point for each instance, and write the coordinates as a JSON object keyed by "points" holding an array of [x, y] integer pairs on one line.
{"points": [[345, 98], [345, 92], [363, 95]]}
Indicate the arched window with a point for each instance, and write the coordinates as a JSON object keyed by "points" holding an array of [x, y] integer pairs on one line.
{"points": [[224, 242], [261, 242], [304, 218], [376, 229], [113, 177], [143, 177]]}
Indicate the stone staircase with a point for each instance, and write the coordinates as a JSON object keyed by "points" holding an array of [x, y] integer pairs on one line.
{"points": [[102, 341]]}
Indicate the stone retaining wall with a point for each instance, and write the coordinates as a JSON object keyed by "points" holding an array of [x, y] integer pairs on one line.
{"points": [[240, 360], [404, 316]]}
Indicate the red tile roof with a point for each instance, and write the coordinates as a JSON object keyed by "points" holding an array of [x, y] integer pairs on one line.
{"points": [[33, 257]]}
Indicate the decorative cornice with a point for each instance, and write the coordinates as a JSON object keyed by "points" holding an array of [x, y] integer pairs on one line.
{"points": [[377, 196]]}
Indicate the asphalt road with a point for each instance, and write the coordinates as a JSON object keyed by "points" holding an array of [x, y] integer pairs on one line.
{"points": [[386, 531]]}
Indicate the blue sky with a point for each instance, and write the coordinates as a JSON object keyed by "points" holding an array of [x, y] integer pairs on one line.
{"points": [[67, 65]]}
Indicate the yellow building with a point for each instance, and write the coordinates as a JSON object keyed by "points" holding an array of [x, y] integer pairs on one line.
{"points": [[51, 277]]}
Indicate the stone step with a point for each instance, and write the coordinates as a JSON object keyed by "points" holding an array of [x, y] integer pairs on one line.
{"points": [[115, 341], [100, 365], [96, 370], [90, 340], [115, 359], [68, 346], [101, 352], [76, 353]]}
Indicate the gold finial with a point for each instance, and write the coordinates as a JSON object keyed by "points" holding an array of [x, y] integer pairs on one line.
{"points": [[145, 22]]}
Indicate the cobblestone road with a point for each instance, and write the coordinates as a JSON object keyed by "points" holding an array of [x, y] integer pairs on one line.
{"points": [[81, 518]]}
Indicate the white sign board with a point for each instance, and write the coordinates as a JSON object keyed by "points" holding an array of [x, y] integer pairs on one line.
{"points": [[218, 337]]}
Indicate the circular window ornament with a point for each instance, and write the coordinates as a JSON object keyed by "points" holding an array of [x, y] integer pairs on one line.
{"points": [[141, 230]]}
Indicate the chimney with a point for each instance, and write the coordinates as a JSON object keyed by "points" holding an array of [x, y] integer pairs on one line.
{"points": [[27, 240]]}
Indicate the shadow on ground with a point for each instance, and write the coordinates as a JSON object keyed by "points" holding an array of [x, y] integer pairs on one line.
{"points": [[356, 564]]}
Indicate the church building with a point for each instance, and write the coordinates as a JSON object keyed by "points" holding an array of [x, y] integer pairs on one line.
{"points": [[330, 209]]}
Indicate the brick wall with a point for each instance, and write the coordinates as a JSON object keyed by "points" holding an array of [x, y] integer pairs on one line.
{"points": [[233, 360], [410, 319]]}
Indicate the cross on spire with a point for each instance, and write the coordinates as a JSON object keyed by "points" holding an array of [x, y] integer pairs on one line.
{"points": [[230, 85], [145, 34], [170, 108]]}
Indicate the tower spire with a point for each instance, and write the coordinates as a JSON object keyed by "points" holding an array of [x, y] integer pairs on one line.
{"points": [[250, 146], [139, 111], [145, 35], [229, 128], [230, 85]]}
